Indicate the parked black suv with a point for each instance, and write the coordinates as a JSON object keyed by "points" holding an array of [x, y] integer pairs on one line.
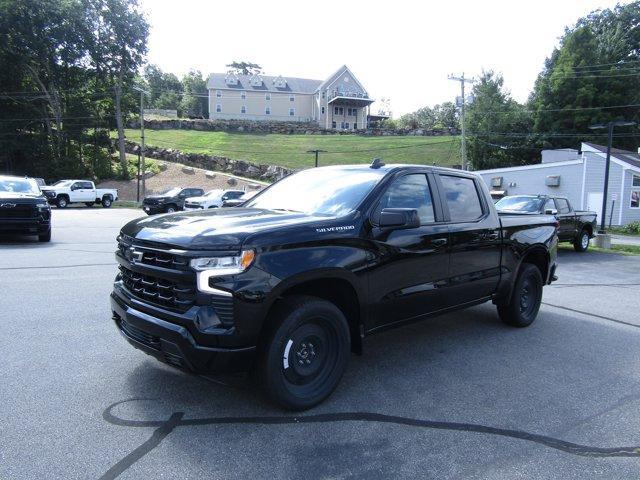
{"points": [[23, 208], [294, 279], [170, 201]]}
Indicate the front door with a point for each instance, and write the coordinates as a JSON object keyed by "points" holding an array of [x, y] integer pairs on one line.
{"points": [[475, 236], [566, 219], [594, 203], [410, 264]]}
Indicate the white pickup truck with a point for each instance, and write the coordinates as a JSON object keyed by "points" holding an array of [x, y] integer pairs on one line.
{"points": [[64, 192]]}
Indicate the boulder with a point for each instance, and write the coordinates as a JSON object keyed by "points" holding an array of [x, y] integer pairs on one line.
{"points": [[232, 181]]}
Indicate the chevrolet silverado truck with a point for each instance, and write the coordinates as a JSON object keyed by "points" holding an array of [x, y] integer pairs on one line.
{"points": [[66, 192], [23, 208], [288, 284], [576, 227]]}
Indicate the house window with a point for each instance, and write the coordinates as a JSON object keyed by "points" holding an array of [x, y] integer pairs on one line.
{"points": [[267, 96], [346, 125], [218, 94], [355, 126], [342, 125], [292, 98], [218, 108], [322, 110], [333, 124], [338, 110], [243, 109], [292, 112], [243, 95], [323, 94], [267, 110], [635, 193]]}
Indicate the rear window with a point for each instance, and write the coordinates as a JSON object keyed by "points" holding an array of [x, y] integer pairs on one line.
{"points": [[462, 198], [562, 205]]}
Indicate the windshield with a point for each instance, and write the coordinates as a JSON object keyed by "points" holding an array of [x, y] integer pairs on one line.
{"points": [[61, 183], [321, 191], [172, 192], [522, 203], [213, 193], [19, 185]]}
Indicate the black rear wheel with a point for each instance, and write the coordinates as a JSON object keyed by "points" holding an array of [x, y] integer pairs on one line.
{"points": [[581, 242], [306, 352], [524, 304], [62, 202], [106, 202]]}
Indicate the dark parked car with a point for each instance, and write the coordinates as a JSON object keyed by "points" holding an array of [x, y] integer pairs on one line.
{"points": [[23, 208], [577, 227], [170, 201], [294, 279], [235, 202]]}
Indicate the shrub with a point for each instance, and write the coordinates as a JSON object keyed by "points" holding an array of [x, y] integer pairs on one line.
{"points": [[632, 228]]}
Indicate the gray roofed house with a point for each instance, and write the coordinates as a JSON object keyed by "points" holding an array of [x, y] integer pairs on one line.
{"points": [[579, 176], [340, 102]]}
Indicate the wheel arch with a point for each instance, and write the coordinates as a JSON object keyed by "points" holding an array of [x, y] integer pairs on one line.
{"points": [[333, 285]]}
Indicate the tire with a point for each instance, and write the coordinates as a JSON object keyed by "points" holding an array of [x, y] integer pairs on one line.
{"points": [[106, 202], [62, 202], [45, 237], [523, 307], [171, 209], [581, 242], [305, 352], [89, 204]]}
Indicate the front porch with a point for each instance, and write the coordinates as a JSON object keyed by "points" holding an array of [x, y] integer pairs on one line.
{"points": [[347, 111]]}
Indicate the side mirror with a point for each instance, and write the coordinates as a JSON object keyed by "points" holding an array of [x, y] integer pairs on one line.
{"points": [[399, 218], [551, 211]]}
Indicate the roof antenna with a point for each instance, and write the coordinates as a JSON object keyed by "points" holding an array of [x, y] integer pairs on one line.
{"points": [[377, 163]]}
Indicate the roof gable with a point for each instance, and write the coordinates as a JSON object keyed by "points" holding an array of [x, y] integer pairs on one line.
{"points": [[293, 85], [631, 159], [336, 75]]}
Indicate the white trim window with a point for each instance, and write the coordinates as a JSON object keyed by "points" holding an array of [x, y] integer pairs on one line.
{"points": [[292, 112], [267, 96], [218, 108], [292, 98], [634, 200], [243, 109], [218, 94], [243, 95], [267, 110]]}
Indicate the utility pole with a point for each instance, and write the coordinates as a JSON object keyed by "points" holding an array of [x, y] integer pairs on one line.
{"points": [[316, 152], [462, 81], [144, 167]]}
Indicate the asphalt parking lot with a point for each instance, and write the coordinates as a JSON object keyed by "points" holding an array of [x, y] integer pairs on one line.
{"points": [[460, 396]]}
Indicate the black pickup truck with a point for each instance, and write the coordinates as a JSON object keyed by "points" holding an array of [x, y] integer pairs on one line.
{"points": [[23, 208], [170, 201], [289, 283], [577, 227]]}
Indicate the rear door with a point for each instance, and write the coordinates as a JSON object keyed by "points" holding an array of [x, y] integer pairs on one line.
{"points": [[412, 264], [566, 218], [475, 236]]}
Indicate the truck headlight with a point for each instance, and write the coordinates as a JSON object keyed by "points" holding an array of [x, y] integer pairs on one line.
{"points": [[229, 265], [43, 207]]}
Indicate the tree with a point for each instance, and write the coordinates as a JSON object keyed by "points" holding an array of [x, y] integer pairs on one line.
{"points": [[195, 102], [244, 68], [498, 127], [595, 65], [159, 83]]}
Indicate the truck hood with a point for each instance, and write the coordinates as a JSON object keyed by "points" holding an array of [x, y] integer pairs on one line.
{"points": [[218, 229], [202, 199]]}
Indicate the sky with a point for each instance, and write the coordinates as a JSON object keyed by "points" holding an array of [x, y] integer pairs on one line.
{"points": [[401, 50]]}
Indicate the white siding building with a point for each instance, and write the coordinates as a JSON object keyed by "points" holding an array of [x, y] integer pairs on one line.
{"points": [[579, 176]]}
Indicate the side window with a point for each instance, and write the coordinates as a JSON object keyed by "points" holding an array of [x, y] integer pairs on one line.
{"points": [[77, 186], [236, 194], [462, 198], [562, 205], [549, 205], [410, 191]]}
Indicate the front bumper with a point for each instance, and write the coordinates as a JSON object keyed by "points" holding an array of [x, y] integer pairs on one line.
{"points": [[30, 226], [174, 344], [153, 209]]}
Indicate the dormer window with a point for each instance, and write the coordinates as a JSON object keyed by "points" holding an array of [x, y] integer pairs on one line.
{"points": [[280, 82], [292, 98], [231, 79], [256, 81]]}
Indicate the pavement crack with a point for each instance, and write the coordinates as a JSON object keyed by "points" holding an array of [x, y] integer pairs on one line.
{"points": [[582, 312], [165, 427]]}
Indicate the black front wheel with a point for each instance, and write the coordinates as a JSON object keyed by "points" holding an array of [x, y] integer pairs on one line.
{"points": [[524, 304], [306, 352]]}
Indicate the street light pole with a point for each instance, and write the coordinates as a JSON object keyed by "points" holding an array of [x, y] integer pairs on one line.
{"points": [[609, 126], [144, 169]]}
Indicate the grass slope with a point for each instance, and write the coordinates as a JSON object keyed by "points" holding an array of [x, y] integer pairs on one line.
{"points": [[289, 150]]}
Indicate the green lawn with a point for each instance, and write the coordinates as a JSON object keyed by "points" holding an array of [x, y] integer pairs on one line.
{"points": [[289, 150]]}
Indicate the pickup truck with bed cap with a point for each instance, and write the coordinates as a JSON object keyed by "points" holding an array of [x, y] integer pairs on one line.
{"points": [[288, 284], [577, 227]]}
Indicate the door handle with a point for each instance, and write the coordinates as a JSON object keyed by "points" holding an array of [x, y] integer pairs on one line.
{"points": [[439, 242]]}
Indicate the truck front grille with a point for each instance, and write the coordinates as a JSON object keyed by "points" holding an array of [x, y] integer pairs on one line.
{"points": [[157, 258], [18, 212], [159, 291]]}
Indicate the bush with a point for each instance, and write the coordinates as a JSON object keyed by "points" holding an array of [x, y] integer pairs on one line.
{"points": [[132, 167], [633, 228]]}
